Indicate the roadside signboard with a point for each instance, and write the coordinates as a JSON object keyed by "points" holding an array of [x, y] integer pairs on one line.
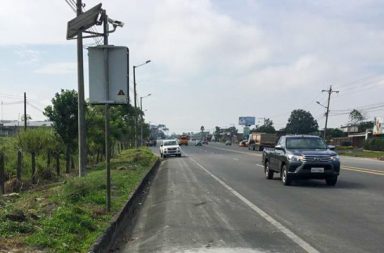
{"points": [[115, 59], [247, 121]]}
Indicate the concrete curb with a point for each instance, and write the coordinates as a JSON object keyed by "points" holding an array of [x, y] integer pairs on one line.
{"points": [[125, 217]]}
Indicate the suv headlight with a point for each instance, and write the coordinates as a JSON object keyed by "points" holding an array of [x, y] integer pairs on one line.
{"points": [[335, 158], [295, 158]]}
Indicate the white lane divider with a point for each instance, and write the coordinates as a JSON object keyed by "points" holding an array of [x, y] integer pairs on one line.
{"points": [[295, 238], [236, 151]]}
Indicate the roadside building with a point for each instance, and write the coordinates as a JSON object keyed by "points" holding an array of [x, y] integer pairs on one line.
{"points": [[11, 128]]}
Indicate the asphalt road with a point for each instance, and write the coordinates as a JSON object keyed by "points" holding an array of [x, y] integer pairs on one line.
{"points": [[215, 199]]}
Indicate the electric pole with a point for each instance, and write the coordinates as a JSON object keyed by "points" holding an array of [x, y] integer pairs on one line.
{"points": [[25, 111], [107, 114], [81, 103], [135, 102], [330, 91]]}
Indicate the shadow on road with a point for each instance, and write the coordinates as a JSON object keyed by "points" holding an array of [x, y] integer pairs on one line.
{"points": [[321, 184]]}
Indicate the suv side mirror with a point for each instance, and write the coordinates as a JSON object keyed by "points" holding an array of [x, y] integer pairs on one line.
{"points": [[279, 147], [161, 145], [331, 147]]}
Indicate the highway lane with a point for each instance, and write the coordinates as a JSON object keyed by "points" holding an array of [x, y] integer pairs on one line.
{"points": [[357, 164], [345, 218]]}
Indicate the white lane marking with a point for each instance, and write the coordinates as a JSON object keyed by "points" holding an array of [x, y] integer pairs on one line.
{"points": [[235, 151], [295, 238], [236, 159], [260, 165]]}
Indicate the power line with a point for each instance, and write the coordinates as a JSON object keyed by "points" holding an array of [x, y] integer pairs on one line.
{"points": [[35, 107], [12, 103], [362, 107], [70, 5]]}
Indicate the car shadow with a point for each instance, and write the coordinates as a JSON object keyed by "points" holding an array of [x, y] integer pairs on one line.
{"points": [[320, 183]]}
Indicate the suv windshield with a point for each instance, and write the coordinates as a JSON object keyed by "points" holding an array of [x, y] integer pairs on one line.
{"points": [[170, 143], [305, 143]]}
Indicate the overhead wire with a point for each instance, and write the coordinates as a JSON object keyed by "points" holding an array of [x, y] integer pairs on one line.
{"points": [[12, 103], [35, 107]]}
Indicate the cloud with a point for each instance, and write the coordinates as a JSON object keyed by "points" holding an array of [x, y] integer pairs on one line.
{"points": [[60, 68], [27, 55]]}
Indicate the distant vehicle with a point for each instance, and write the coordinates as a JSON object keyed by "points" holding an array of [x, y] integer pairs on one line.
{"points": [[259, 141], [198, 143], [183, 140], [302, 157], [228, 143], [152, 143], [243, 143], [169, 147], [205, 141]]}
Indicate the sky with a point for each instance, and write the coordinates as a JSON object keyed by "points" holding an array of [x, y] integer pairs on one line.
{"points": [[211, 60]]}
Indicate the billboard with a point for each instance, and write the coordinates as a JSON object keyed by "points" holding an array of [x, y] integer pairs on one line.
{"points": [[108, 74], [378, 126], [247, 121]]}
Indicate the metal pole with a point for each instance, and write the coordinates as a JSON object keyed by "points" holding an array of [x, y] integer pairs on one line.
{"points": [[135, 102], [326, 114], [25, 111], [106, 109], [81, 103], [141, 123], [330, 91]]}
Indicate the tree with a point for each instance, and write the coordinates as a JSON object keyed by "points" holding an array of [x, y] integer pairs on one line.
{"points": [[335, 132], [63, 114], [301, 122], [267, 127], [33, 142], [363, 126], [356, 116], [217, 133]]}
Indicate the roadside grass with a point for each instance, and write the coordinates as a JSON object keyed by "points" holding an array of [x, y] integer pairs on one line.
{"points": [[69, 217], [362, 153]]}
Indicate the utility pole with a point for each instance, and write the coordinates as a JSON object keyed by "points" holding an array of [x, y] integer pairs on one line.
{"points": [[141, 123], [81, 103], [25, 111], [135, 102], [330, 91], [106, 109]]}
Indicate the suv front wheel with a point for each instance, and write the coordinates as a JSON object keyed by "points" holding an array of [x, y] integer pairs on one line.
{"points": [[285, 178], [267, 171], [331, 181]]}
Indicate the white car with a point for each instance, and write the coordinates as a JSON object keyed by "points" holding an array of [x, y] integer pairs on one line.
{"points": [[170, 147]]}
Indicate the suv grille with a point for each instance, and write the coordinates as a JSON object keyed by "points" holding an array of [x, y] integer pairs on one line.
{"points": [[317, 158]]}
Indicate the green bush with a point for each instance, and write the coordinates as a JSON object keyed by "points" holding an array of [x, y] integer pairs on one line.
{"points": [[344, 148], [374, 144]]}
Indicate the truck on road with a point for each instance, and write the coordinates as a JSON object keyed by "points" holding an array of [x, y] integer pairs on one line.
{"points": [[301, 157], [183, 140], [259, 141]]}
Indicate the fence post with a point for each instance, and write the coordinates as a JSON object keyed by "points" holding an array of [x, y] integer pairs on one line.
{"points": [[58, 164], [2, 179], [18, 168], [33, 167], [48, 159]]}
